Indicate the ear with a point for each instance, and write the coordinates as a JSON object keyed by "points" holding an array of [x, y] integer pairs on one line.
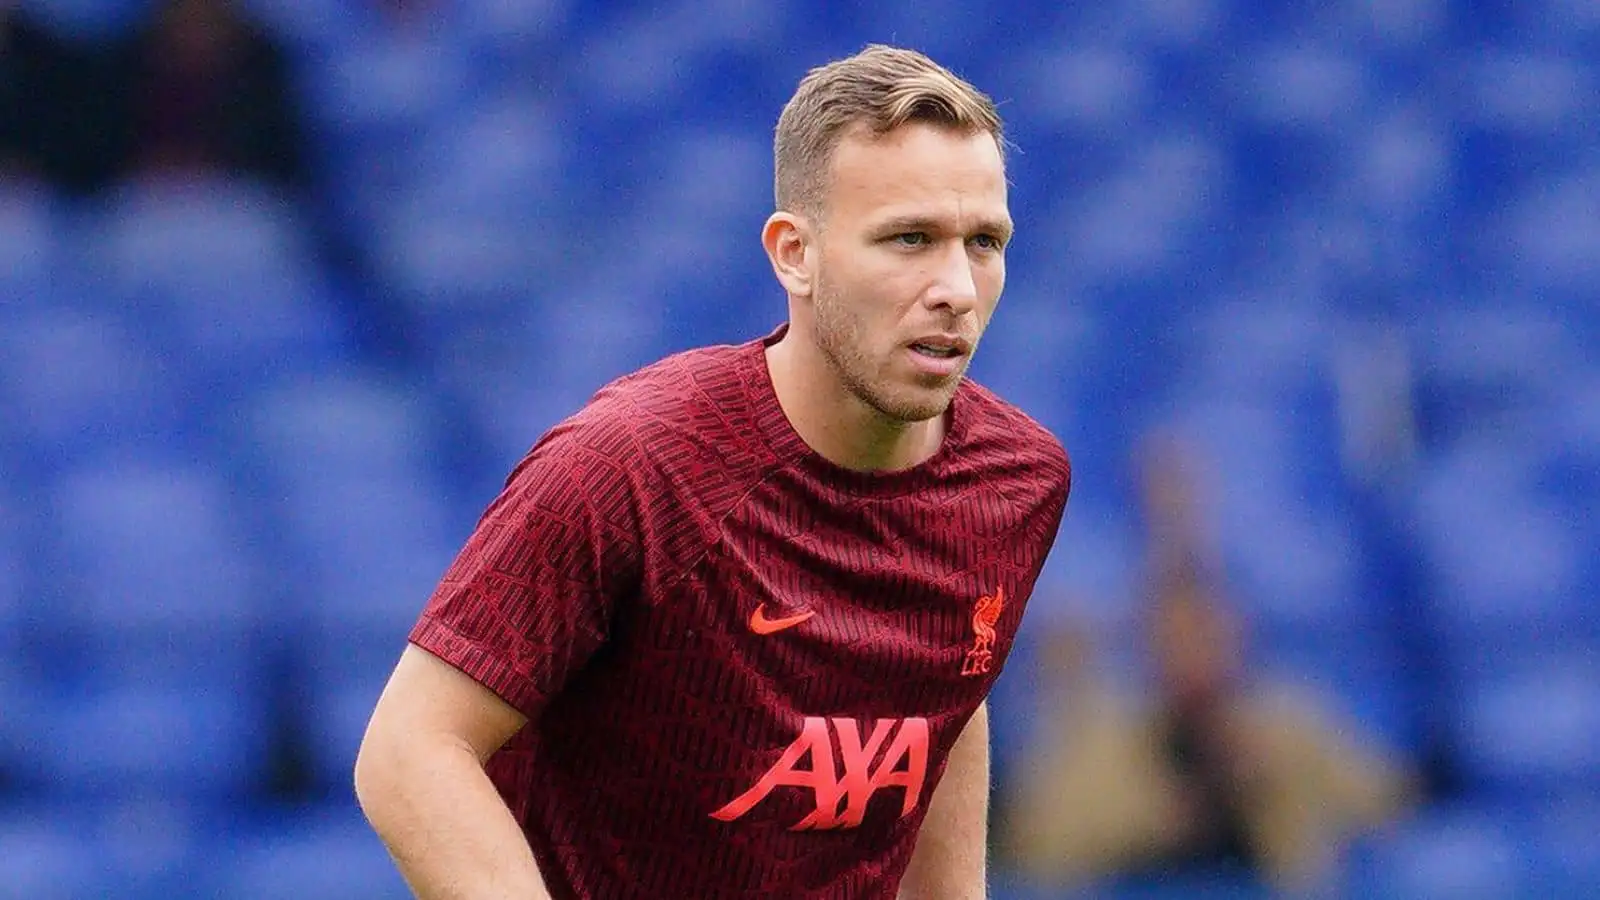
{"points": [[790, 246]]}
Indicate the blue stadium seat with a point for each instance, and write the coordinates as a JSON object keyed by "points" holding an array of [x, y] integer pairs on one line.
{"points": [[926, 27], [1457, 851], [1090, 91], [499, 157], [18, 718], [498, 210], [1531, 728], [1527, 100], [13, 599], [30, 243], [1403, 168], [512, 415], [147, 633], [515, 377], [355, 490], [323, 854], [1568, 858], [513, 34], [77, 381], [718, 177], [446, 266], [371, 556], [14, 541], [1147, 219], [143, 552], [1095, 575], [371, 549], [631, 59], [1488, 366], [1505, 569], [145, 846], [323, 427], [113, 738], [337, 428], [150, 233], [371, 90], [387, 75], [336, 711], [363, 517], [490, 205], [44, 857], [219, 272], [1279, 508]]}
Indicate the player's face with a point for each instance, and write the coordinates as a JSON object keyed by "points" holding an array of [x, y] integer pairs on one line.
{"points": [[911, 264]]}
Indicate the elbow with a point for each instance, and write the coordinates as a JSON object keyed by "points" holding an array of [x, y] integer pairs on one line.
{"points": [[394, 764], [384, 787], [363, 776], [372, 776]]}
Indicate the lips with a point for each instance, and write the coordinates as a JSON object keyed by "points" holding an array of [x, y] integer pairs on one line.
{"points": [[939, 357], [941, 346]]}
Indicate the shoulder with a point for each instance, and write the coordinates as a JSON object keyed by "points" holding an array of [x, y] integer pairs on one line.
{"points": [[680, 389], [1000, 435], [687, 399], [671, 427]]}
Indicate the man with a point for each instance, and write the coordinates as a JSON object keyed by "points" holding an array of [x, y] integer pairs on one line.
{"points": [[729, 629]]}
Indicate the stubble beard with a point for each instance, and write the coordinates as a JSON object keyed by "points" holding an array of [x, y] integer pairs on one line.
{"points": [[842, 339]]}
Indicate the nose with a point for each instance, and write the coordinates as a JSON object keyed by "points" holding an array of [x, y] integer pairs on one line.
{"points": [[953, 286]]}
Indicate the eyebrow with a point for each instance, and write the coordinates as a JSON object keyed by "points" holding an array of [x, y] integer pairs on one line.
{"points": [[1001, 228]]}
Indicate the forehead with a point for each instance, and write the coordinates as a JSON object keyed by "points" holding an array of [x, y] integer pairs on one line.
{"points": [[918, 169]]}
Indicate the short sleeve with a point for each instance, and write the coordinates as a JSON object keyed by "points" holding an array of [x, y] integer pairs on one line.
{"points": [[532, 594]]}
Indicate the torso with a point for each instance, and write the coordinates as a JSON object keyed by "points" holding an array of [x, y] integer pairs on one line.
{"points": [[772, 713]]}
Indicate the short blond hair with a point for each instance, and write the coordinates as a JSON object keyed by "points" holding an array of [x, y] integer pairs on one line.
{"points": [[880, 88]]}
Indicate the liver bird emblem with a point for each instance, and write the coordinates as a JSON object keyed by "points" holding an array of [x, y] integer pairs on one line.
{"points": [[985, 613]]}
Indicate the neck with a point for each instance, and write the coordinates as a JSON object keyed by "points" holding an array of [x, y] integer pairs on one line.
{"points": [[837, 424]]}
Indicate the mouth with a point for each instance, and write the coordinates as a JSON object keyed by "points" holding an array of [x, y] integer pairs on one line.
{"points": [[941, 346]]}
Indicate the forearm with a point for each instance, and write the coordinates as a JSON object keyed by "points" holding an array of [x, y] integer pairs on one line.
{"points": [[949, 862], [450, 833]]}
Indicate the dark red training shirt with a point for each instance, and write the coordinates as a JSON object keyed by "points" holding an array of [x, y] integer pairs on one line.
{"points": [[743, 666]]}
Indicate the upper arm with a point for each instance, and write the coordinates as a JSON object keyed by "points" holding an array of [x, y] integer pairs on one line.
{"points": [[964, 789], [427, 697], [971, 750]]}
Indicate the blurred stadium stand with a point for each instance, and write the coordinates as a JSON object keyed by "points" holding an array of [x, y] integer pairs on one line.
{"points": [[1352, 247]]}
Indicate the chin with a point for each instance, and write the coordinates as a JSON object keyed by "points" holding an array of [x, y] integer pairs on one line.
{"points": [[915, 408]]}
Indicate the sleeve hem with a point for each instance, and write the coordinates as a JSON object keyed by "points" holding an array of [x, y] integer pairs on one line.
{"points": [[479, 663]]}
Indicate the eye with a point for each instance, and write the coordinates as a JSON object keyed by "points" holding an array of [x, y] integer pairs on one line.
{"points": [[988, 242], [911, 238]]}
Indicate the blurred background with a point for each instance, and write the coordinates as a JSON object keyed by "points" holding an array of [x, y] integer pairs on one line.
{"points": [[1308, 291]]}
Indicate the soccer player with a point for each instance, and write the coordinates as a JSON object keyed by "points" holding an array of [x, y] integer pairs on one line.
{"points": [[728, 630]]}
